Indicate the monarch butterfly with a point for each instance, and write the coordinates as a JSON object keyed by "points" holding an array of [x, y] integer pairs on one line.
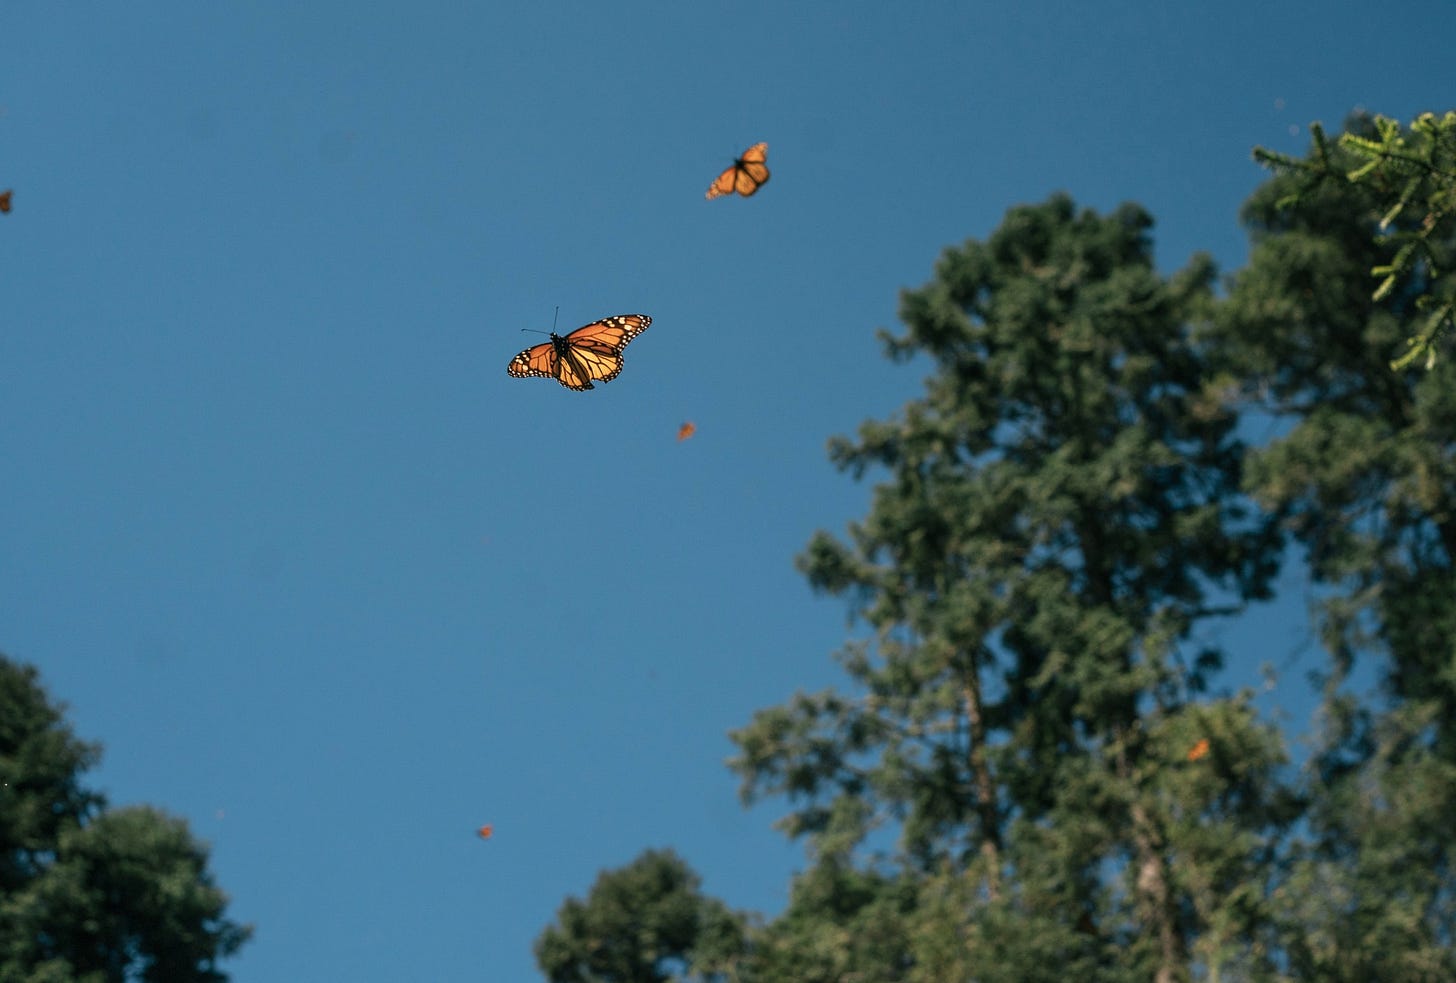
{"points": [[593, 351], [686, 430], [485, 831], [747, 175], [5, 201], [1198, 750]]}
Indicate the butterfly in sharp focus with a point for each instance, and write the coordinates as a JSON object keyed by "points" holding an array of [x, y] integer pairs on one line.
{"points": [[747, 175], [592, 352]]}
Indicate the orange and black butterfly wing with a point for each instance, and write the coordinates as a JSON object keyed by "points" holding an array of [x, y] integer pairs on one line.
{"points": [[554, 359], [752, 170], [5, 201], [580, 364], [747, 175], [538, 360], [724, 183], [594, 351], [614, 332]]}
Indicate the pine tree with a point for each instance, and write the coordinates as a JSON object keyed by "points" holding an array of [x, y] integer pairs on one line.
{"points": [[1364, 477], [86, 892], [1061, 510], [646, 922], [1409, 175]]}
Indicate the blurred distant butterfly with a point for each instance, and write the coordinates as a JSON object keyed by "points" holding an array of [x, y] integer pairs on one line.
{"points": [[5, 201], [1198, 750], [592, 352], [485, 831], [747, 175], [686, 430]]}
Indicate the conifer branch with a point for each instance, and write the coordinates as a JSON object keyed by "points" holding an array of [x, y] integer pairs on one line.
{"points": [[1421, 161]]}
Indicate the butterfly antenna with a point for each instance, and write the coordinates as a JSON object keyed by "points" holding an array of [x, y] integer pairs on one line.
{"points": [[553, 324]]}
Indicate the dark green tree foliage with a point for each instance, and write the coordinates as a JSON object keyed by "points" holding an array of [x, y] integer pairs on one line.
{"points": [[1062, 508], [86, 893], [1410, 178], [1365, 478], [646, 922], [42, 762], [839, 921]]}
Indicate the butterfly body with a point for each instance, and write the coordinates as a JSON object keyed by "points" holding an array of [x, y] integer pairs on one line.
{"points": [[747, 175], [591, 353]]}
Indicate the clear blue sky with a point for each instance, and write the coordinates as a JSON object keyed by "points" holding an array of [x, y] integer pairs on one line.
{"points": [[327, 583]]}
